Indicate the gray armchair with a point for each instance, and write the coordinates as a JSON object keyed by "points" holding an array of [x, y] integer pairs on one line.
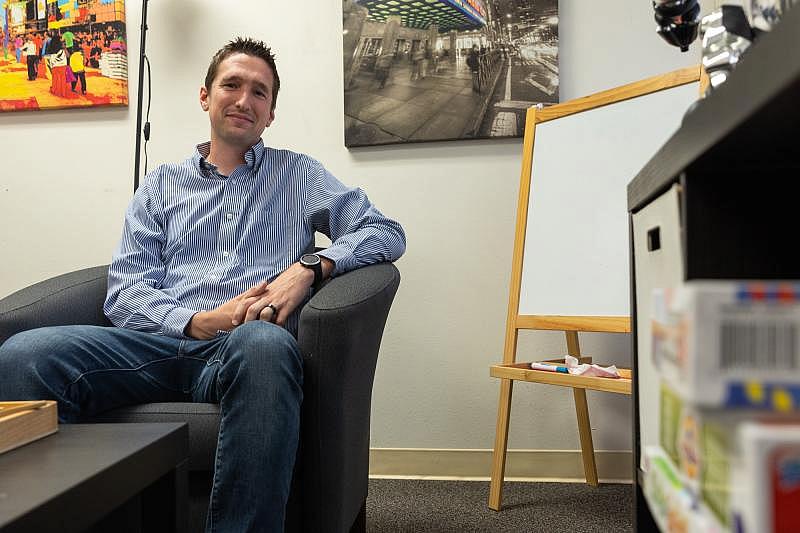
{"points": [[339, 335]]}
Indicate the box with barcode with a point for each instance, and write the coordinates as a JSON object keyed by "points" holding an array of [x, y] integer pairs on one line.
{"points": [[730, 344]]}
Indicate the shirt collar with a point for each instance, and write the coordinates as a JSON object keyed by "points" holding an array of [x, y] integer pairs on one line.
{"points": [[252, 158]]}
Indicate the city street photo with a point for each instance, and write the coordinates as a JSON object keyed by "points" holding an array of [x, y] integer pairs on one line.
{"points": [[432, 70]]}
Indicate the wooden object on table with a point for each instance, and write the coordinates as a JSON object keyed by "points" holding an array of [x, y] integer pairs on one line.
{"points": [[24, 422], [566, 316]]}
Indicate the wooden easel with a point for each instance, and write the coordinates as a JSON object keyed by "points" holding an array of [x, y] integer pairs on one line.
{"points": [[510, 370]]}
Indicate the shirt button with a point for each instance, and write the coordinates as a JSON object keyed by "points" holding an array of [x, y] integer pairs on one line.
{"points": [[225, 254], [234, 182], [212, 277], [229, 216]]}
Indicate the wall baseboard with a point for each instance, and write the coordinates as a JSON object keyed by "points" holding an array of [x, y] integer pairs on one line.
{"points": [[521, 465]]}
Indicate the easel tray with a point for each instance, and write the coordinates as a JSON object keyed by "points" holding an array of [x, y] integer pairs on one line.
{"points": [[524, 372]]}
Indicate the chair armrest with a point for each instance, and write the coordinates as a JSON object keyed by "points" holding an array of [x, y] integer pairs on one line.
{"points": [[339, 335], [73, 298]]}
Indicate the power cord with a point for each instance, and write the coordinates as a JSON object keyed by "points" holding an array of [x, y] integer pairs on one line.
{"points": [[146, 128]]}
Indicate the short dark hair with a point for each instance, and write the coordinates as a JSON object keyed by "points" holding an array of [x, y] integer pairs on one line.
{"points": [[251, 47]]}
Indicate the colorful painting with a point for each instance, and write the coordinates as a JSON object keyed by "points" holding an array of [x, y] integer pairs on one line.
{"points": [[432, 70], [62, 54]]}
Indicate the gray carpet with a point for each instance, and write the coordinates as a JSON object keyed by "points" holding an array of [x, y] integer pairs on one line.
{"points": [[399, 506]]}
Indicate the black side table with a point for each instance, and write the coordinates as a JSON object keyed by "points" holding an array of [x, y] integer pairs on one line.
{"points": [[98, 477]]}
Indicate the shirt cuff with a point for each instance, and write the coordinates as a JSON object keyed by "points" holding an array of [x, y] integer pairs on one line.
{"points": [[175, 322], [343, 259]]}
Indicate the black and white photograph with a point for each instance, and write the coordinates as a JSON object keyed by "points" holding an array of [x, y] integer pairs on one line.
{"points": [[434, 70]]}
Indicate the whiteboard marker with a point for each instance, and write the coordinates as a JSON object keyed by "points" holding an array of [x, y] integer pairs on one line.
{"points": [[550, 368]]}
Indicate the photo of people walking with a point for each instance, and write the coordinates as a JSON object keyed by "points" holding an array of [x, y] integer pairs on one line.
{"points": [[446, 69], [62, 54]]}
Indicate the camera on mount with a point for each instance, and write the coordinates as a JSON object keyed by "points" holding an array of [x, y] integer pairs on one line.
{"points": [[678, 21]]}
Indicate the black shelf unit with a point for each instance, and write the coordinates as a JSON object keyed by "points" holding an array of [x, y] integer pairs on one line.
{"points": [[736, 156]]}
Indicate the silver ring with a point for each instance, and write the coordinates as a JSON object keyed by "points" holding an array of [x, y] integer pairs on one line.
{"points": [[274, 314]]}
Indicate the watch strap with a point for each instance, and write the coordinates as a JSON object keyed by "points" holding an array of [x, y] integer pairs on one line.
{"points": [[317, 269]]}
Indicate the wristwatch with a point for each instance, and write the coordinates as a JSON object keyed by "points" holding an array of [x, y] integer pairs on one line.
{"points": [[314, 262]]}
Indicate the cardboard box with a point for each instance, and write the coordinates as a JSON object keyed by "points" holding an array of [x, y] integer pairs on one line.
{"points": [[679, 436], [700, 444], [767, 477], [745, 471], [675, 508]]}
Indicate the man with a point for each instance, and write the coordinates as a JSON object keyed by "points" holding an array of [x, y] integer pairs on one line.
{"points": [[206, 288], [383, 66], [69, 40], [29, 49], [474, 67], [78, 67], [416, 62], [18, 42]]}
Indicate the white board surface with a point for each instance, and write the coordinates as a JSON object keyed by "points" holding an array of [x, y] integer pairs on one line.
{"points": [[576, 257]]}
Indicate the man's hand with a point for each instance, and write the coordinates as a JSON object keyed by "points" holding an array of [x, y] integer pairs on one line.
{"points": [[205, 324], [282, 296]]}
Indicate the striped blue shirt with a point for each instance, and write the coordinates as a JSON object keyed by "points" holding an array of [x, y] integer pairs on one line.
{"points": [[194, 238]]}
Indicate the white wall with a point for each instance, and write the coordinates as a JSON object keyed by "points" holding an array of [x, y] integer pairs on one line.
{"points": [[67, 176]]}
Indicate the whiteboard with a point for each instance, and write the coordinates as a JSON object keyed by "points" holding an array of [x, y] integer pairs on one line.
{"points": [[576, 255]]}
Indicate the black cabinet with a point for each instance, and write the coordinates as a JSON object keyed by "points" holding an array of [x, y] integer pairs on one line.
{"points": [[717, 201]]}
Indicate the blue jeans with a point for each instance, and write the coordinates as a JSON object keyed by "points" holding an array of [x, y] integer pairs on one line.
{"points": [[255, 374]]}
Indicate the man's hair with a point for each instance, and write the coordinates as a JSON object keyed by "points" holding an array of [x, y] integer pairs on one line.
{"points": [[249, 47]]}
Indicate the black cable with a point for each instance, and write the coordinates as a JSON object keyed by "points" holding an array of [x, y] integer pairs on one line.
{"points": [[147, 114], [139, 96]]}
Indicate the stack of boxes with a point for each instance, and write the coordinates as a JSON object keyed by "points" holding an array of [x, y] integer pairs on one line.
{"points": [[728, 355], [73, 11], [76, 12], [114, 65], [109, 10]]}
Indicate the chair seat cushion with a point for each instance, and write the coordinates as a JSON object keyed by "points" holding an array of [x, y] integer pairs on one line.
{"points": [[202, 418]]}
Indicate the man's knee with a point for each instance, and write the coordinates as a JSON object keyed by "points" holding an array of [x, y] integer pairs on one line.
{"points": [[26, 348], [24, 362], [42, 344], [264, 347], [258, 334]]}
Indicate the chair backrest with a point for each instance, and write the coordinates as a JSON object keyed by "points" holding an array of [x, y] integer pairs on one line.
{"points": [[72, 298]]}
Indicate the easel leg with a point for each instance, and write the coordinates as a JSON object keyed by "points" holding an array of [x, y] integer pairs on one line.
{"points": [[582, 411], [585, 432], [500, 444]]}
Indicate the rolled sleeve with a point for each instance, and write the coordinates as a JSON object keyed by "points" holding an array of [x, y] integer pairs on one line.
{"points": [[175, 322], [360, 234], [134, 299]]}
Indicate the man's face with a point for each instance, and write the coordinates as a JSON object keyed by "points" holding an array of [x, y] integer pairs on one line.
{"points": [[239, 101]]}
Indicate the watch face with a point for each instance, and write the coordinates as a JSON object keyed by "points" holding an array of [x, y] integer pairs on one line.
{"points": [[310, 259]]}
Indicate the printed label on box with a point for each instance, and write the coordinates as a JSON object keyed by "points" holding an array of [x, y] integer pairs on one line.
{"points": [[730, 344]]}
